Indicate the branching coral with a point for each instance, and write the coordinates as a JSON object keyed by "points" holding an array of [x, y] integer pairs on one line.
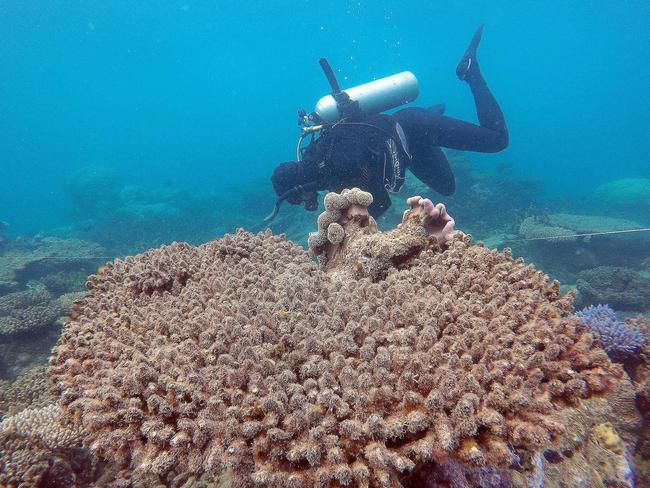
{"points": [[619, 339], [242, 354], [40, 448], [29, 390], [25, 311]]}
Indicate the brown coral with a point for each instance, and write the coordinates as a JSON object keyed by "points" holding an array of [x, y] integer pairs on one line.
{"points": [[39, 448], [242, 354], [29, 390]]}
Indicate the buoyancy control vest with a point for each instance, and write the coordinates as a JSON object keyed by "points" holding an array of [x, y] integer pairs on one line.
{"points": [[371, 147]]}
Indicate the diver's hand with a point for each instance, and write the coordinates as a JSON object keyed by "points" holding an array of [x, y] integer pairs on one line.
{"points": [[436, 221]]}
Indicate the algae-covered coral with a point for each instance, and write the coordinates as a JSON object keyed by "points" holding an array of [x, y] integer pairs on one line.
{"points": [[243, 355]]}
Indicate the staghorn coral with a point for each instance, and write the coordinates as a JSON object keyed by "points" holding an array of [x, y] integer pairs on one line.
{"points": [[242, 354], [619, 339]]}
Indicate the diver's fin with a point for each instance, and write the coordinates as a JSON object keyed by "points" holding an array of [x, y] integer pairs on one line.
{"points": [[469, 62], [438, 108]]}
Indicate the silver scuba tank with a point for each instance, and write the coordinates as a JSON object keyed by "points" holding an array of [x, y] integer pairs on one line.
{"points": [[373, 97]]}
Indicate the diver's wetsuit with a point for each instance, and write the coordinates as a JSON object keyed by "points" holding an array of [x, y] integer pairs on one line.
{"points": [[354, 155]]}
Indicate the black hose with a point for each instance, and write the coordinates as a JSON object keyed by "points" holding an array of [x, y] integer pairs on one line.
{"points": [[311, 186]]}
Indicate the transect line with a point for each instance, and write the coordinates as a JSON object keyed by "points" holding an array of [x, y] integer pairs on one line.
{"points": [[625, 231], [587, 234]]}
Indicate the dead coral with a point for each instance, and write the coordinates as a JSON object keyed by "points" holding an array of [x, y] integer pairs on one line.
{"points": [[241, 354]]}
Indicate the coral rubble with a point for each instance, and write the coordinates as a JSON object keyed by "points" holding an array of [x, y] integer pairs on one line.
{"points": [[243, 355]]}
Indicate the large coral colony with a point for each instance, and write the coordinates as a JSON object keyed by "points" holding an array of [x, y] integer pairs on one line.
{"points": [[397, 353]]}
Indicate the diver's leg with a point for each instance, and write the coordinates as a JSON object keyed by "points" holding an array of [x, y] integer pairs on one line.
{"points": [[490, 136], [431, 167], [422, 126], [488, 111]]}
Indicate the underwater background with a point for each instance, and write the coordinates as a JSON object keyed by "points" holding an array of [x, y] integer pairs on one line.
{"points": [[128, 125]]}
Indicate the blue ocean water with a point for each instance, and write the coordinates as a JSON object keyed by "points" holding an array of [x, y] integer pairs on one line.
{"points": [[203, 95]]}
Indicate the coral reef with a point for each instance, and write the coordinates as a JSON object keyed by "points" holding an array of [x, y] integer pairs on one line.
{"points": [[549, 241], [38, 447], [47, 256], [93, 190], [68, 281], [595, 452], [3, 237], [623, 288], [619, 339], [597, 448], [626, 193], [564, 225], [30, 323], [242, 355], [640, 374], [21, 353], [31, 389], [45, 425], [129, 219], [27, 311], [348, 209]]}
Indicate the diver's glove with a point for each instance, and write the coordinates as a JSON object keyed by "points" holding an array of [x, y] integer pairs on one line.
{"points": [[468, 64]]}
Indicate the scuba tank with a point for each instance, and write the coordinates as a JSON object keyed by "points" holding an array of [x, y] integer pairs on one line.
{"points": [[372, 98], [369, 98]]}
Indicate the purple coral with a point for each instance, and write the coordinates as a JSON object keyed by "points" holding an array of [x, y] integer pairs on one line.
{"points": [[620, 340]]}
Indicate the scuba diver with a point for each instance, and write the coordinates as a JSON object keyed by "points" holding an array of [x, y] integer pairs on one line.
{"points": [[360, 147]]}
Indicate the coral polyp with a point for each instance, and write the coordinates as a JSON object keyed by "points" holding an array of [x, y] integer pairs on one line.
{"points": [[243, 355]]}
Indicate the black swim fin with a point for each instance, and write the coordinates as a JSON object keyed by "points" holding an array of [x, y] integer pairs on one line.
{"points": [[438, 109], [468, 63]]}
